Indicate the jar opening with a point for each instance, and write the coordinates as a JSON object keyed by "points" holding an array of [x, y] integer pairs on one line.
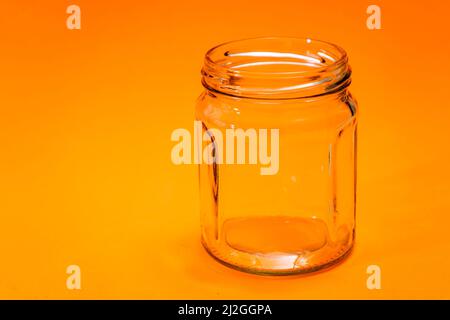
{"points": [[276, 68]]}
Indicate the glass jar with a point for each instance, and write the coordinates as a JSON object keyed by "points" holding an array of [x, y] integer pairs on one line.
{"points": [[276, 147]]}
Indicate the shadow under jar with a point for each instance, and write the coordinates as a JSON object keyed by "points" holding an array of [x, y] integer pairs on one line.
{"points": [[298, 215]]}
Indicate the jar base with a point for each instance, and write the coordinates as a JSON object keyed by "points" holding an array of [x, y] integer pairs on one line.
{"points": [[272, 246], [286, 272]]}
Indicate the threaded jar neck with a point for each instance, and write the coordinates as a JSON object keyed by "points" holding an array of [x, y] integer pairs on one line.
{"points": [[276, 68]]}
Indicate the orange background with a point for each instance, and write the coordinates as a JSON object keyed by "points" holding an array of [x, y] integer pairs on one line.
{"points": [[85, 171]]}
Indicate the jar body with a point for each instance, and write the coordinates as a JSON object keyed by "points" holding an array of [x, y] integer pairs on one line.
{"points": [[298, 215]]}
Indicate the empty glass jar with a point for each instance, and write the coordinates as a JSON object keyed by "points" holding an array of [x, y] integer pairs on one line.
{"points": [[277, 149]]}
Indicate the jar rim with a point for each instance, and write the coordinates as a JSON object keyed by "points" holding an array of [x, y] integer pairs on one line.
{"points": [[276, 67]]}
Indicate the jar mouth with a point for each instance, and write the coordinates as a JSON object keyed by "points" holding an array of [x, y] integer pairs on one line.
{"points": [[276, 68]]}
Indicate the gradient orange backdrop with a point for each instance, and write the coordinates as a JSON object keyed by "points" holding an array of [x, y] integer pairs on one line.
{"points": [[85, 171]]}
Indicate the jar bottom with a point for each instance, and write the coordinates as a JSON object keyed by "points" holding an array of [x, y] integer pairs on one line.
{"points": [[278, 245]]}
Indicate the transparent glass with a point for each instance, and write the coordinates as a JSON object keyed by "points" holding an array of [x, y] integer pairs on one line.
{"points": [[302, 217]]}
